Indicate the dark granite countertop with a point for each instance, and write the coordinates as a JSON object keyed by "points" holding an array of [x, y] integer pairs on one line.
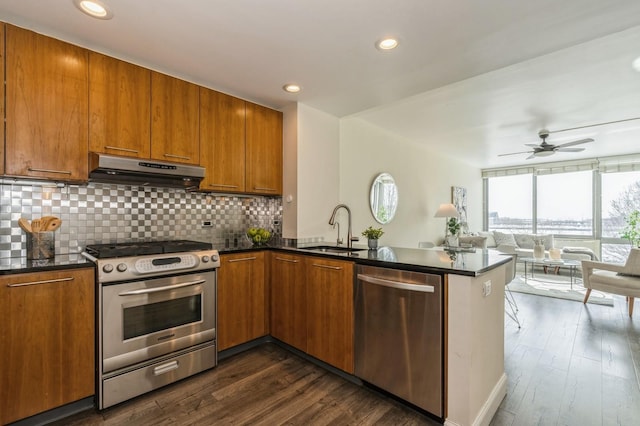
{"points": [[419, 260], [21, 265]]}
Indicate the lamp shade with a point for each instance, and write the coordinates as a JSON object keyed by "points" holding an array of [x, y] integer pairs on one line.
{"points": [[446, 210]]}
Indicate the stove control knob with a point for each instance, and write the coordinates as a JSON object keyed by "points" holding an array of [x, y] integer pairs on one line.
{"points": [[214, 257], [121, 267], [205, 258], [107, 268]]}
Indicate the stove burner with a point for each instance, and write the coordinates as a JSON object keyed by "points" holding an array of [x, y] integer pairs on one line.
{"points": [[105, 251]]}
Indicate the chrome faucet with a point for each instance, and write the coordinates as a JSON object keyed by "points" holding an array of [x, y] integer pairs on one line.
{"points": [[332, 221]]}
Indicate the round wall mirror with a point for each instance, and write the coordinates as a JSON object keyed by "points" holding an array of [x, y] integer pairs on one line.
{"points": [[383, 198]]}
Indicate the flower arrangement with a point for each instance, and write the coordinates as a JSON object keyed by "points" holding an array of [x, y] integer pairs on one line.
{"points": [[372, 233], [258, 236]]}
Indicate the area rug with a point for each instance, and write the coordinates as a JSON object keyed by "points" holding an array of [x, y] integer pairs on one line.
{"points": [[558, 288]]}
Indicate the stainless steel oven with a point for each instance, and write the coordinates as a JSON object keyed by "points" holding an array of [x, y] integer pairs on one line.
{"points": [[156, 317]]}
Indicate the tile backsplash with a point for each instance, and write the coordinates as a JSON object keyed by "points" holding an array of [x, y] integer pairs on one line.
{"points": [[105, 213]]}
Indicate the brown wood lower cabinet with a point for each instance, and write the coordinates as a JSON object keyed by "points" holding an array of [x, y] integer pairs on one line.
{"points": [[330, 311], [312, 306], [241, 299], [289, 299], [48, 341]]}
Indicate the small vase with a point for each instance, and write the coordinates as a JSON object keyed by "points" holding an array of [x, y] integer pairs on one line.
{"points": [[538, 251], [452, 241], [373, 243]]}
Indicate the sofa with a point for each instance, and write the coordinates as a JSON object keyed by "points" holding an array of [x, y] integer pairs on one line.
{"points": [[521, 245]]}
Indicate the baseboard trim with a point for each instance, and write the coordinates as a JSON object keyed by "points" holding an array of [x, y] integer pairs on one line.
{"points": [[490, 406]]}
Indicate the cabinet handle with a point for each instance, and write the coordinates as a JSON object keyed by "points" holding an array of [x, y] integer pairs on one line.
{"points": [[115, 148], [59, 280], [335, 268], [241, 260], [62, 172], [222, 185], [287, 260], [177, 156], [257, 188]]}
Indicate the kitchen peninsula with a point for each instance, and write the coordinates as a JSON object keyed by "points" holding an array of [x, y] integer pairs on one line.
{"points": [[474, 382]]}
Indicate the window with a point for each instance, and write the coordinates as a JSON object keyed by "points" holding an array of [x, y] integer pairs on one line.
{"points": [[564, 204], [620, 196], [509, 203]]}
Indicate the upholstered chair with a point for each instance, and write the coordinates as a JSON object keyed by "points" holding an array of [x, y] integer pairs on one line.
{"points": [[614, 278]]}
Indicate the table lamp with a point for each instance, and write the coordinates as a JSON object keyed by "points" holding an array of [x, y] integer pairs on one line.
{"points": [[446, 210]]}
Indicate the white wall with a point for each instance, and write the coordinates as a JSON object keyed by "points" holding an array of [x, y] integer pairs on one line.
{"points": [[311, 172], [424, 180], [329, 161]]}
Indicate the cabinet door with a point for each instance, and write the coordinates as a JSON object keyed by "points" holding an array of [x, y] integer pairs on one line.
{"points": [[174, 120], [119, 107], [264, 150], [330, 311], [46, 107], [48, 341], [288, 299], [2, 97], [222, 141], [241, 299]]}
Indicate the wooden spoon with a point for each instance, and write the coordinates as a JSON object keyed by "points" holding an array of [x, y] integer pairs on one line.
{"points": [[25, 225], [52, 224], [35, 225]]}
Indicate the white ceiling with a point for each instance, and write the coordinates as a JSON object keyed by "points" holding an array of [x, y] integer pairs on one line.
{"points": [[470, 78]]}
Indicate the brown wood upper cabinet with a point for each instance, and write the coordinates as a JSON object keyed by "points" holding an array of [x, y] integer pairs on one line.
{"points": [[48, 341], [241, 299], [241, 145], [119, 107], [174, 120], [2, 96], [264, 150], [46, 107], [222, 141]]}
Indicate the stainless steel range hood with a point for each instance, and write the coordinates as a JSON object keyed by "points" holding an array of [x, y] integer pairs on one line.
{"points": [[137, 171]]}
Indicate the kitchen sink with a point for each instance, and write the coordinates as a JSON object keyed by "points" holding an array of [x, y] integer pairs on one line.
{"points": [[332, 249]]}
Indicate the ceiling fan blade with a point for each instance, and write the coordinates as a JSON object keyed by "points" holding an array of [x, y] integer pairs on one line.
{"points": [[578, 142], [578, 149], [514, 153], [532, 145], [531, 156]]}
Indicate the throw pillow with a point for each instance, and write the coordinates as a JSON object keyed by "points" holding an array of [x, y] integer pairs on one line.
{"points": [[480, 242], [491, 242], [504, 238], [525, 241]]}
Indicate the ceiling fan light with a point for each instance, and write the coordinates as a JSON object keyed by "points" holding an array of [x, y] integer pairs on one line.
{"points": [[543, 153]]}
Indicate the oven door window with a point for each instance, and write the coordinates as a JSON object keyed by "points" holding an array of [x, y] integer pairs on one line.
{"points": [[149, 318]]}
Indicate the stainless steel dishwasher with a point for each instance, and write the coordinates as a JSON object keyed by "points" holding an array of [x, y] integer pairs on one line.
{"points": [[399, 334]]}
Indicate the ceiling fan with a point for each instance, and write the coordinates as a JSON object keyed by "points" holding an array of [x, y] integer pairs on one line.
{"points": [[545, 149]]}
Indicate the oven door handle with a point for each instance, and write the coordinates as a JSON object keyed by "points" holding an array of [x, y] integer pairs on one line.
{"points": [[157, 289]]}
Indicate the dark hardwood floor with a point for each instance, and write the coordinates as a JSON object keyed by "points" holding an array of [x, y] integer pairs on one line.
{"points": [[266, 385], [569, 364]]}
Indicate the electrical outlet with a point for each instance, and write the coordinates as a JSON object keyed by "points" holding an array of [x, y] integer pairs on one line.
{"points": [[486, 288], [207, 224]]}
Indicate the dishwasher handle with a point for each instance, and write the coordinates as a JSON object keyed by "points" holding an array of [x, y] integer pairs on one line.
{"points": [[396, 284]]}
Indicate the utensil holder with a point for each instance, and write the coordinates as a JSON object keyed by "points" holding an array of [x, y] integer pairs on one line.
{"points": [[41, 245]]}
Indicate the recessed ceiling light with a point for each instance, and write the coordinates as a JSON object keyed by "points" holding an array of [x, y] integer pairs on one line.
{"points": [[291, 88], [94, 8], [387, 43], [636, 64]]}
